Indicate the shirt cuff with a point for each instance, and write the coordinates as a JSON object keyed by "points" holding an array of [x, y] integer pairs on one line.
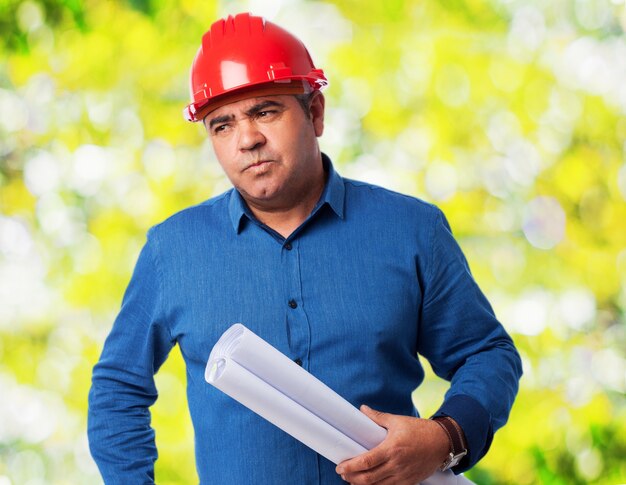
{"points": [[475, 421]]}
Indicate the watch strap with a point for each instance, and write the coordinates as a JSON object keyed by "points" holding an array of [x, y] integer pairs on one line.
{"points": [[458, 448]]}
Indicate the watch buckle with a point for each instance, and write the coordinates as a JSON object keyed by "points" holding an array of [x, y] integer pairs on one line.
{"points": [[452, 460]]}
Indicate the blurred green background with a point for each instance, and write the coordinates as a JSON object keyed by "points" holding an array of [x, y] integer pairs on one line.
{"points": [[508, 114]]}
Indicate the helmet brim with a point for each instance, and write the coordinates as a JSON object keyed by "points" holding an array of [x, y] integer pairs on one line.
{"points": [[199, 111]]}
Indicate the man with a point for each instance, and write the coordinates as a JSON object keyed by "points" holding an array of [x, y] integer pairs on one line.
{"points": [[350, 280]]}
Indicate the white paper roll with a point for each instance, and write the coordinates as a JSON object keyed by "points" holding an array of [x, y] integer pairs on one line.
{"points": [[270, 365], [269, 403], [251, 371]]}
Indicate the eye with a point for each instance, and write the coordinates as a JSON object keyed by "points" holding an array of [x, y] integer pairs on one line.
{"points": [[219, 129], [266, 114]]}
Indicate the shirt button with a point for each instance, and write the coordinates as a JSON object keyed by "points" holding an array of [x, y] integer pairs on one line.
{"points": [[293, 304], [288, 246], [298, 361]]}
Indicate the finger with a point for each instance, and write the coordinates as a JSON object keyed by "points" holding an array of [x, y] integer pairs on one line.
{"points": [[378, 417], [362, 462], [368, 477], [395, 480]]}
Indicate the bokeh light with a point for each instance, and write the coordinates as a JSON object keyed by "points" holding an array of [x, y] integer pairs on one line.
{"points": [[507, 114]]}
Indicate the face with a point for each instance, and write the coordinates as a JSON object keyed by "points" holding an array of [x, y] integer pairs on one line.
{"points": [[267, 146]]}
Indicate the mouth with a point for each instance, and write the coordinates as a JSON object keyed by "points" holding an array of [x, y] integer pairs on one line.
{"points": [[257, 164]]}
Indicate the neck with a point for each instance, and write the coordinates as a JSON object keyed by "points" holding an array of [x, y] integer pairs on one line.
{"points": [[285, 219]]}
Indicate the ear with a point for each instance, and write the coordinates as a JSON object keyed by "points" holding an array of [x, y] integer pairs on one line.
{"points": [[317, 113]]}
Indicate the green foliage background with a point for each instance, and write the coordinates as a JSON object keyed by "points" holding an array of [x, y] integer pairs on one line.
{"points": [[509, 114]]}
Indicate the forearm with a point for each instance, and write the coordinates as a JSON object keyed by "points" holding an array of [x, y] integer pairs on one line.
{"points": [[480, 398], [475, 424], [121, 440]]}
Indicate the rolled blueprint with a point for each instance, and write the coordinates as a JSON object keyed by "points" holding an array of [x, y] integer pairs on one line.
{"points": [[251, 371], [260, 377], [269, 403]]}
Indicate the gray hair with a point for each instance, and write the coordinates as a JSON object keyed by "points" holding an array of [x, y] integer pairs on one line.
{"points": [[304, 100]]}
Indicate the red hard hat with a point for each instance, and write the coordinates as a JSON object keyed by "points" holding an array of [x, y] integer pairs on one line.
{"points": [[244, 54]]}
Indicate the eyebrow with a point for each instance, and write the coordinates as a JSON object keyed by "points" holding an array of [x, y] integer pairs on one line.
{"points": [[220, 119], [254, 110], [263, 105]]}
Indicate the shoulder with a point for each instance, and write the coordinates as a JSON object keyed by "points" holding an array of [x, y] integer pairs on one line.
{"points": [[203, 216], [370, 197]]}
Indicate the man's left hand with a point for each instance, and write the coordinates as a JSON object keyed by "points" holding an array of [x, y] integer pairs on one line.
{"points": [[412, 451]]}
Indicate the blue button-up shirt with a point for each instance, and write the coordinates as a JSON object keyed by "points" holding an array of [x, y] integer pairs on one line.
{"points": [[368, 282]]}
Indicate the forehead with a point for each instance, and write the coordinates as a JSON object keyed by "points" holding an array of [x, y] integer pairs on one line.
{"points": [[243, 105]]}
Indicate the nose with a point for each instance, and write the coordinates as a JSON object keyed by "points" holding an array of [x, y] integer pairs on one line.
{"points": [[250, 137]]}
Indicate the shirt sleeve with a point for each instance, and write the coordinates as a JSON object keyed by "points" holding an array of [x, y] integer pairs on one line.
{"points": [[121, 439], [465, 344]]}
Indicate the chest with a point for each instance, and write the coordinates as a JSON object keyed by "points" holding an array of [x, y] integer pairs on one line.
{"points": [[336, 296]]}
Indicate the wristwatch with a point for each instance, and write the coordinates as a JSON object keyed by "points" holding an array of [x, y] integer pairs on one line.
{"points": [[458, 449]]}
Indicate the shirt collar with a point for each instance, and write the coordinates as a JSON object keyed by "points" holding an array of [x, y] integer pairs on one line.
{"points": [[333, 195], [334, 191]]}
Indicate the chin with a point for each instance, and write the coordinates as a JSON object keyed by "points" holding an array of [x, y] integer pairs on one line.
{"points": [[261, 195]]}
